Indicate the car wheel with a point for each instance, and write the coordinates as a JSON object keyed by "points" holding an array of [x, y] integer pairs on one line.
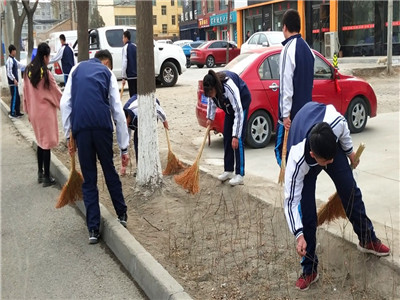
{"points": [[259, 129], [210, 62], [200, 66], [169, 74], [357, 115]]}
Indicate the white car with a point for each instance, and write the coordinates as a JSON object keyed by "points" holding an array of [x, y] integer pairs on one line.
{"points": [[169, 60], [263, 39]]}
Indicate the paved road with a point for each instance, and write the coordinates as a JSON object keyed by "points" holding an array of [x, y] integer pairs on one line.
{"points": [[45, 252]]}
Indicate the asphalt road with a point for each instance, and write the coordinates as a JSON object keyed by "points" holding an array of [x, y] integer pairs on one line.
{"points": [[44, 251]]}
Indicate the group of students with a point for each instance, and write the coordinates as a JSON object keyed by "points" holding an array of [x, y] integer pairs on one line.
{"points": [[319, 138]]}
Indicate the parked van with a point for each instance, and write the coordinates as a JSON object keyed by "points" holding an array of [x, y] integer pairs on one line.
{"points": [[169, 60]]}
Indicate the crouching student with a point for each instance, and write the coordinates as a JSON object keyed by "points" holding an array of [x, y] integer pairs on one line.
{"points": [[131, 113], [319, 139]]}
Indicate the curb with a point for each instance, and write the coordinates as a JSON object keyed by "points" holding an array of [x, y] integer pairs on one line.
{"points": [[150, 275]]}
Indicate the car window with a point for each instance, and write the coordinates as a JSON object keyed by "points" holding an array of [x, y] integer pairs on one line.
{"points": [[321, 69], [93, 40], [223, 45], [269, 69], [254, 39], [216, 45], [263, 39], [114, 37], [133, 35]]}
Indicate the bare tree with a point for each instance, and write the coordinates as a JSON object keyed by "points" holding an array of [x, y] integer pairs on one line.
{"points": [[18, 22], [82, 7], [227, 32], [29, 13], [149, 165]]}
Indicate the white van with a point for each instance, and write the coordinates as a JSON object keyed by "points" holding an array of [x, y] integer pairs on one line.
{"points": [[169, 60]]}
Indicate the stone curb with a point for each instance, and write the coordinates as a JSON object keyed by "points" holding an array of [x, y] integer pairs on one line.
{"points": [[151, 276]]}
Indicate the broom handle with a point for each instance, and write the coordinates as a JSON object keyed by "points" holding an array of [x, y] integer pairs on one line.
{"points": [[284, 149], [169, 143], [359, 152], [72, 145], [122, 90], [204, 142]]}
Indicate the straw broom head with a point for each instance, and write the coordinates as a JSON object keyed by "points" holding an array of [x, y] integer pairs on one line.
{"points": [[174, 165], [189, 179], [72, 190], [333, 209]]}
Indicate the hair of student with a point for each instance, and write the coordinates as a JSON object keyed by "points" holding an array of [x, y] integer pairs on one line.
{"points": [[291, 19], [62, 37], [37, 65], [214, 80], [103, 55], [323, 141], [11, 48], [127, 34]]}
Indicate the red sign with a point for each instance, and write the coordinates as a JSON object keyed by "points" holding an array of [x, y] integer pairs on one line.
{"points": [[394, 23], [323, 30], [356, 27]]}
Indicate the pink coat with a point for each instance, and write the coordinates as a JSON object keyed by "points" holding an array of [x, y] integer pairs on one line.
{"points": [[41, 105]]}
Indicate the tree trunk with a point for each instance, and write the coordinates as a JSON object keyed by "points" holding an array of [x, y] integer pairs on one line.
{"points": [[227, 31], [149, 165], [18, 22], [29, 12], [82, 7]]}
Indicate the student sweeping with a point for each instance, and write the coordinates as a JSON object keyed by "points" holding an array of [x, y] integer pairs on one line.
{"points": [[229, 92], [319, 139]]}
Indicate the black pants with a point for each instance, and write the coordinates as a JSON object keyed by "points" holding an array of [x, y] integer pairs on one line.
{"points": [[132, 84], [94, 144], [15, 101], [43, 158]]}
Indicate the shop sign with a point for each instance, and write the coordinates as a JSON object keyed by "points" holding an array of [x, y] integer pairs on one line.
{"points": [[222, 19], [203, 22], [356, 27]]}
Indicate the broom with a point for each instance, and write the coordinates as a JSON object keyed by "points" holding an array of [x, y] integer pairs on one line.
{"points": [[174, 165], [72, 190], [189, 179], [281, 178], [333, 209]]}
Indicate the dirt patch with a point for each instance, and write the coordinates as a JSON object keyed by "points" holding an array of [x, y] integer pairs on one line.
{"points": [[224, 243]]}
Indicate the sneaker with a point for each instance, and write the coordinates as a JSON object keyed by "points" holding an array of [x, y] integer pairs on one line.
{"points": [[238, 179], [11, 116], [304, 281], [40, 177], [376, 248], [123, 219], [225, 176], [20, 115], [48, 181], [94, 236]]}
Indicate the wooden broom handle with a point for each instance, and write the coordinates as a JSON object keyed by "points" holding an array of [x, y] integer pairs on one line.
{"points": [[169, 143], [359, 152], [204, 142], [72, 145], [284, 149], [122, 90]]}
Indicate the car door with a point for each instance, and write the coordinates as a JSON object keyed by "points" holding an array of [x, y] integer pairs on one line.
{"points": [[219, 52], [268, 72], [325, 89]]}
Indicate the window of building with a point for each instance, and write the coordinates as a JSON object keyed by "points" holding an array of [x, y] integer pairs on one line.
{"points": [[172, 2], [164, 28], [222, 4], [125, 20], [163, 10], [210, 5], [198, 8], [173, 18], [154, 20], [154, 3]]}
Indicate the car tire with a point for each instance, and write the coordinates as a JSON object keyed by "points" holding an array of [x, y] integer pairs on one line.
{"points": [[210, 61], [200, 66], [357, 115], [169, 74], [259, 129]]}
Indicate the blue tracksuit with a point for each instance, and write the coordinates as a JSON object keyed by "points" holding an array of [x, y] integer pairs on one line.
{"points": [[301, 176], [235, 103], [12, 66]]}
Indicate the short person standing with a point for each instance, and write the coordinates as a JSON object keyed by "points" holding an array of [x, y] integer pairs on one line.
{"points": [[12, 66], [229, 92], [66, 55], [89, 106], [41, 101], [129, 65]]}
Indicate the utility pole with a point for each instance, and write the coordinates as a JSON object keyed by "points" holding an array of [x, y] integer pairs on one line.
{"points": [[227, 30], [71, 8], [389, 37]]}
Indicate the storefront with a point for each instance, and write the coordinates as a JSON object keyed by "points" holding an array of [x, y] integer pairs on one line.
{"points": [[209, 32], [219, 25]]}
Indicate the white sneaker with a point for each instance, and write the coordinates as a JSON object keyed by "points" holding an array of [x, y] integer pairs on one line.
{"points": [[225, 176], [238, 179]]}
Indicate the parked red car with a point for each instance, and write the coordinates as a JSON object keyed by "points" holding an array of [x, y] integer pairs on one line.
{"points": [[259, 68], [213, 53]]}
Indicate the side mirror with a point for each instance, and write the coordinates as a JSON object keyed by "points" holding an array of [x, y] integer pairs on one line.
{"points": [[265, 44]]}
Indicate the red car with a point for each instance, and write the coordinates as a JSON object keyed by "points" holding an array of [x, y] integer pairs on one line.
{"points": [[352, 97], [213, 53]]}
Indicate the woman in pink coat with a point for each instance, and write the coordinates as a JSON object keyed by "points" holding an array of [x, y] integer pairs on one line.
{"points": [[41, 101]]}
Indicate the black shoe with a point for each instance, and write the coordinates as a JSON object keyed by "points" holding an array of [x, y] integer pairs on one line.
{"points": [[48, 181], [94, 236], [19, 115], [12, 116], [123, 219], [40, 177]]}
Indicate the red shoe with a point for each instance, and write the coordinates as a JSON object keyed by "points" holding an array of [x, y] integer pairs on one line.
{"points": [[304, 281], [376, 248]]}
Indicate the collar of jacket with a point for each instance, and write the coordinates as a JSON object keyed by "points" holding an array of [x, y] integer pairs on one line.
{"points": [[296, 36]]}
